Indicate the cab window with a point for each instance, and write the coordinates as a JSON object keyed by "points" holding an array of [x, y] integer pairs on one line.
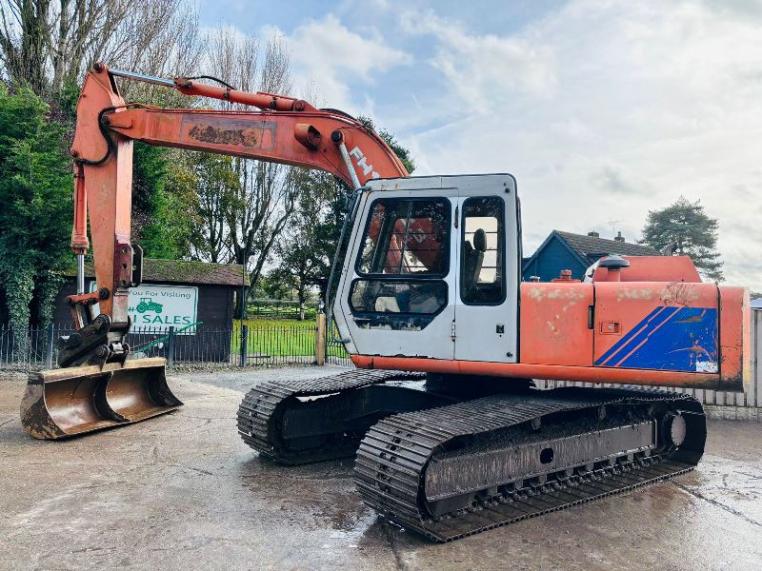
{"points": [[406, 236], [482, 275], [403, 259]]}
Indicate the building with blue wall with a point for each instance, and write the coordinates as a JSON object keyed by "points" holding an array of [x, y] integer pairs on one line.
{"points": [[576, 252]]}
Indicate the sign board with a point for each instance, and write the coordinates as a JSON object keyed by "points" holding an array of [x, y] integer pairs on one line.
{"points": [[156, 308]]}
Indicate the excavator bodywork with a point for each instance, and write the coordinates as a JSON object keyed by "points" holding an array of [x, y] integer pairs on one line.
{"points": [[422, 291], [451, 436], [430, 289]]}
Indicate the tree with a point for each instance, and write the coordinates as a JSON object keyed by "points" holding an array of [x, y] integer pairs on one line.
{"points": [[686, 230], [304, 248], [35, 191], [49, 44], [45, 48], [271, 285], [403, 154], [266, 193], [217, 188], [165, 213]]}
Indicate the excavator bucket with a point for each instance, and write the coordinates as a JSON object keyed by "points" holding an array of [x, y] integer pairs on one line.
{"points": [[60, 403]]}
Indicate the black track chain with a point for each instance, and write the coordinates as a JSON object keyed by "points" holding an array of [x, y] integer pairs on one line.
{"points": [[393, 456], [260, 412]]}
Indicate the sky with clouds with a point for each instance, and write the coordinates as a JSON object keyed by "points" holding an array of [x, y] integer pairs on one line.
{"points": [[601, 109]]}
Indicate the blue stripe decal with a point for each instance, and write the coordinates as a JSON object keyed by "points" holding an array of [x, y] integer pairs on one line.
{"points": [[676, 339], [633, 337]]}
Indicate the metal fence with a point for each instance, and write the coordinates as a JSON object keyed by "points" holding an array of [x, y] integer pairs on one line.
{"points": [[335, 353], [253, 343]]}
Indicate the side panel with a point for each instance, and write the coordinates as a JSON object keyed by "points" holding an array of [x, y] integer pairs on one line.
{"points": [[735, 336], [662, 326], [689, 335], [554, 324]]}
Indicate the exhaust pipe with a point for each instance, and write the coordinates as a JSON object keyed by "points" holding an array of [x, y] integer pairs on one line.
{"points": [[61, 403]]}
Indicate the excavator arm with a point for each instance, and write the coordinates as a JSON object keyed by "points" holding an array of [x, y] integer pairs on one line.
{"points": [[97, 387], [283, 130]]}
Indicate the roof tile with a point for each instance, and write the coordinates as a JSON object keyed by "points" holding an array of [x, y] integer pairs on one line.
{"points": [[184, 272], [590, 246]]}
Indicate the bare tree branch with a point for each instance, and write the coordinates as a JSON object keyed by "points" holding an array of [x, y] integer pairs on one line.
{"points": [[266, 196], [47, 44]]}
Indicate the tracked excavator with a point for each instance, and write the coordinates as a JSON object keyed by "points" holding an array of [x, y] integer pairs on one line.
{"points": [[451, 436]]}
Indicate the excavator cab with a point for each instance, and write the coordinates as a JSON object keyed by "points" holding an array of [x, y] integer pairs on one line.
{"points": [[431, 257]]}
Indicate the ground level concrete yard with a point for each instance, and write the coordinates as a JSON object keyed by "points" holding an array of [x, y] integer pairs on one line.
{"points": [[183, 492]]}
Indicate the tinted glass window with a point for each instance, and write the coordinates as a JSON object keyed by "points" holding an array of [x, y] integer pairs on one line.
{"points": [[406, 237], [482, 278]]}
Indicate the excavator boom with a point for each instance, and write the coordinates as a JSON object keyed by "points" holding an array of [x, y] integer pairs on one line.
{"points": [[96, 388]]}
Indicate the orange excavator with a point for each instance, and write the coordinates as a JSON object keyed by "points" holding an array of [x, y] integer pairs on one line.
{"points": [[450, 433]]}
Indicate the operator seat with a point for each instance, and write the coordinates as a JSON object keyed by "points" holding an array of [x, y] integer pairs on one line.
{"points": [[473, 258]]}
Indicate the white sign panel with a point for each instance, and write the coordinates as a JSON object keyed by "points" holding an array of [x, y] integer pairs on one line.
{"points": [[159, 307], [156, 308]]}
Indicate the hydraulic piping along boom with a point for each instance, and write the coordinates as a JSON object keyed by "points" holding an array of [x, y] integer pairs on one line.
{"points": [[188, 86]]}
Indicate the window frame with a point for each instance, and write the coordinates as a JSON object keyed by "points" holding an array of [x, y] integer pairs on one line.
{"points": [[501, 241], [411, 276]]}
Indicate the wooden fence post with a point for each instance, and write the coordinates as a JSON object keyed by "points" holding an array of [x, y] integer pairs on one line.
{"points": [[320, 344]]}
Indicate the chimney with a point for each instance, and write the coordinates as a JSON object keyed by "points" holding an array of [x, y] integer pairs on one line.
{"points": [[619, 237], [594, 234]]}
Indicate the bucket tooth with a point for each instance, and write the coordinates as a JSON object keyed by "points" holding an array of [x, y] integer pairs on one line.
{"points": [[66, 402]]}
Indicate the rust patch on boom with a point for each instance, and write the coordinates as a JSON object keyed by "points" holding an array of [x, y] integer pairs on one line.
{"points": [[250, 134], [217, 136]]}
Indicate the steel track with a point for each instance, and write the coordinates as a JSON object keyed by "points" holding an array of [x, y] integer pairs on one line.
{"points": [[261, 412], [392, 458]]}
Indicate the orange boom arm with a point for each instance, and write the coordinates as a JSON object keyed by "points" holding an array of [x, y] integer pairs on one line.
{"points": [[284, 130]]}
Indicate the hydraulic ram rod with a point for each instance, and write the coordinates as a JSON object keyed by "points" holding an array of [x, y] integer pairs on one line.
{"points": [[133, 75]]}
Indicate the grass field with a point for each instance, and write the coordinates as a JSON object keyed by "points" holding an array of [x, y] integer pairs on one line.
{"points": [[280, 338]]}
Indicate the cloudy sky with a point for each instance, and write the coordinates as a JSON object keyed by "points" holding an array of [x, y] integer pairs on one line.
{"points": [[602, 109]]}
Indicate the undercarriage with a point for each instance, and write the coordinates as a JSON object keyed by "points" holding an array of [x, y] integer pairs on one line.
{"points": [[449, 457]]}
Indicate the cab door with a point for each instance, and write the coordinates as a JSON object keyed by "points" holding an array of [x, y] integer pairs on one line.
{"points": [[397, 288], [487, 264]]}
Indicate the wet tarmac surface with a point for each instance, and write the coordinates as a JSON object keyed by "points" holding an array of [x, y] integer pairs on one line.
{"points": [[183, 492]]}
